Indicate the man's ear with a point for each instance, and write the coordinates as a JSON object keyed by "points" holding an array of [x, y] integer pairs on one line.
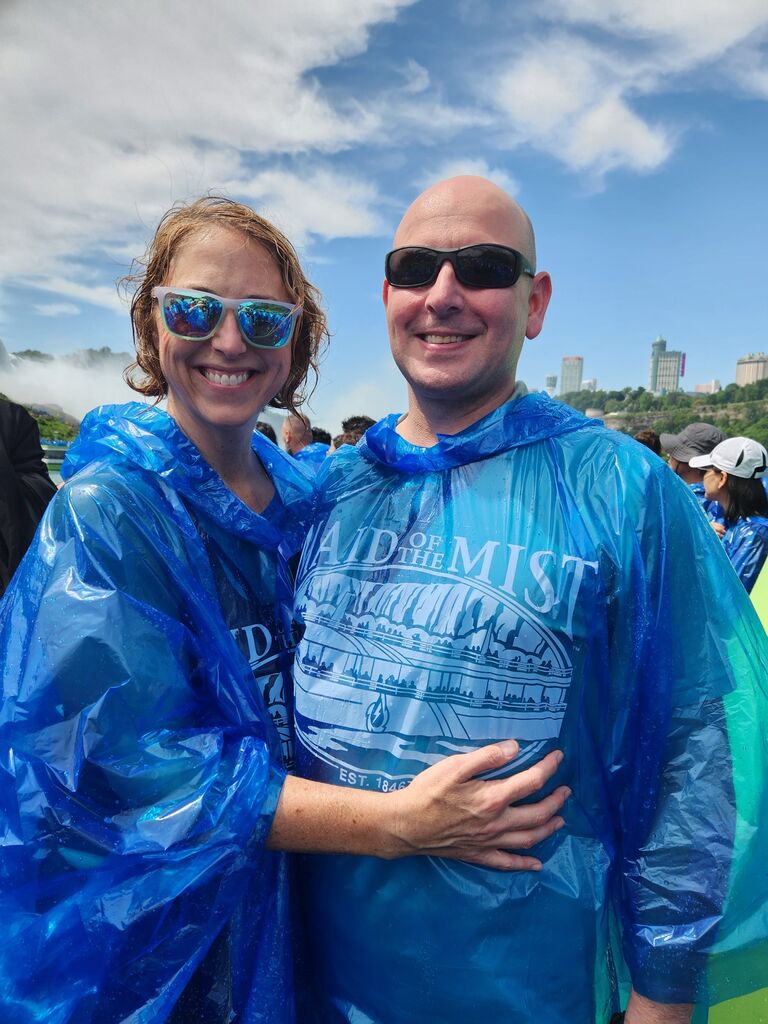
{"points": [[385, 292], [538, 300]]}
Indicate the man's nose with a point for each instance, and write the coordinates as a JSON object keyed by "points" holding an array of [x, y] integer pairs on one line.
{"points": [[445, 294], [228, 340]]}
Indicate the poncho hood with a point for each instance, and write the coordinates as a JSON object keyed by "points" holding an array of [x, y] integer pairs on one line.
{"points": [[522, 420], [150, 439]]}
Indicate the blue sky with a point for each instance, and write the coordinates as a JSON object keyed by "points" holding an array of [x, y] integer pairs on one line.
{"points": [[635, 133]]}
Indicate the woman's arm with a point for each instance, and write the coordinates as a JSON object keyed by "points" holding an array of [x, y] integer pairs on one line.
{"points": [[446, 812]]}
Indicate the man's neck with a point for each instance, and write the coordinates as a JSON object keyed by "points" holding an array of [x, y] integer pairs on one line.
{"points": [[427, 417]]}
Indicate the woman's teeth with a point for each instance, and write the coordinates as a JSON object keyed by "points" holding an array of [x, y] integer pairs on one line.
{"points": [[229, 380]]}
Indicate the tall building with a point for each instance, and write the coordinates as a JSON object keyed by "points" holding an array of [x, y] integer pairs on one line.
{"points": [[570, 374], [751, 368], [550, 384], [589, 384], [667, 367]]}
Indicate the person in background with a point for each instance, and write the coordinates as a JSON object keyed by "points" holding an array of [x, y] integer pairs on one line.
{"points": [[25, 486], [356, 425], [696, 439], [342, 439], [320, 436], [298, 441], [733, 477], [267, 430], [650, 439]]}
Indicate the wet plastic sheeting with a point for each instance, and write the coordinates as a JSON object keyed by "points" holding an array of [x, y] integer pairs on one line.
{"points": [[538, 577], [142, 740]]}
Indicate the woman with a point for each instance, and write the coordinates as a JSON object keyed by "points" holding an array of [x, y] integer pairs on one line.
{"points": [[732, 477], [145, 730]]}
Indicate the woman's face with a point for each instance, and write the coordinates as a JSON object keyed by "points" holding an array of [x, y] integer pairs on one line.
{"points": [[217, 388], [715, 484]]}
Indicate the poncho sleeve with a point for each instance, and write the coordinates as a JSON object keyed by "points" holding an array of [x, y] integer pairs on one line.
{"points": [[138, 766], [692, 803], [746, 545]]}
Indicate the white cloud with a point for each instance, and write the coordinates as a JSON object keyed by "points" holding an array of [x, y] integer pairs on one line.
{"points": [[57, 382], [117, 114], [691, 30], [416, 77], [571, 98], [97, 295], [610, 135], [472, 165], [57, 309], [575, 95], [321, 202]]}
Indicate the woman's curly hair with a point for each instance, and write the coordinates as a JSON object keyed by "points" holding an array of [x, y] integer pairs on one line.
{"points": [[176, 226]]}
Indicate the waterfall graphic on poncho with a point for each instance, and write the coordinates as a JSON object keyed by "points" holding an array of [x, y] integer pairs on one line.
{"points": [[467, 660]]}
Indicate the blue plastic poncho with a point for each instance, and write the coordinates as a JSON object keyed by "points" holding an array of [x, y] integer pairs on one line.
{"points": [[542, 578], [312, 457], [143, 646], [746, 544]]}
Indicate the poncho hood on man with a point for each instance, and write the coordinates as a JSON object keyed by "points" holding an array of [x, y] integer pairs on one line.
{"points": [[143, 648], [542, 578]]}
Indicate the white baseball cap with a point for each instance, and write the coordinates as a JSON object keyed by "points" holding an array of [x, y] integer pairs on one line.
{"points": [[738, 456]]}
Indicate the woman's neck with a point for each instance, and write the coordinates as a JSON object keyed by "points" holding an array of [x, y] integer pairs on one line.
{"points": [[230, 454]]}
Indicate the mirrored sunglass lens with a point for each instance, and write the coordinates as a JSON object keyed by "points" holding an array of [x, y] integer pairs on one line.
{"points": [[264, 324], [412, 266], [480, 267], [191, 316]]}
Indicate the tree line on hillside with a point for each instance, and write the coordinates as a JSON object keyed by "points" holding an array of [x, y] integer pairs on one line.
{"points": [[735, 410]]}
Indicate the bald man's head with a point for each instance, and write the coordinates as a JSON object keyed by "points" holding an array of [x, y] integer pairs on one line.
{"points": [[297, 433], [448, 206], [457, 345]]}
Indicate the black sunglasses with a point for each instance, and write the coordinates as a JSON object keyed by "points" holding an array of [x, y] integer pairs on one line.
{"points": [[475, 266]]}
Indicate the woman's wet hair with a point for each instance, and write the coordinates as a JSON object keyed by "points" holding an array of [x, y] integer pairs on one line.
{"points": [[176, 228]]}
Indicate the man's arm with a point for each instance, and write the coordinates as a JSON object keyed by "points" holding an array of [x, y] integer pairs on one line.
{"points": [[696, 658], [645, 1011]]}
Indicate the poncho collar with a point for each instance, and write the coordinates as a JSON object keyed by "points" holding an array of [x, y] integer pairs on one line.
{"points": [[150, 439], [523, 419]]}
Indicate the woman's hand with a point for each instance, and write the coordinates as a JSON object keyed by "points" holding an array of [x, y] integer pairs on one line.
{"points": [[719, 528], [447, 812]]}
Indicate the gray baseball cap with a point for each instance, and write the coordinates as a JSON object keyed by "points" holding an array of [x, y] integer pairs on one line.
{"points": [[697, 439]]}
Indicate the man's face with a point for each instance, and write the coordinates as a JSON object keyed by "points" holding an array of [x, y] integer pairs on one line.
{"points": [[456, 343], [287, 438]]}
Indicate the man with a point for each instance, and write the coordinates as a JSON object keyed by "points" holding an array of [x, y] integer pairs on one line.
{"points": [[696, 439], [492, 565], [298, 441], [25, 486]]}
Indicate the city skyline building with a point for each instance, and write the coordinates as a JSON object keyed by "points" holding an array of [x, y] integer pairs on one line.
{"points": [[751, 368], [589, 384], [711, 388], [550, 384], [571, 371], [667, 367]]}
